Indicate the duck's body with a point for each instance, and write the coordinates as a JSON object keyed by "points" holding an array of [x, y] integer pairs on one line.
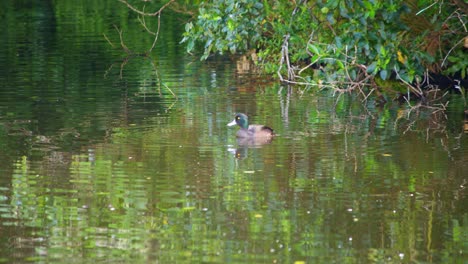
{"points": [[250, 131]]}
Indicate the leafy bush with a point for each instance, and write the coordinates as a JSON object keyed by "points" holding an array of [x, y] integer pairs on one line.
{"points": [[225, 26], [352, 41]]}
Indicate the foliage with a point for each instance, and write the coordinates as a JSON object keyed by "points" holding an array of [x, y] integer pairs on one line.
{"points": [[458, 63], [349, 41], [225, 26]]}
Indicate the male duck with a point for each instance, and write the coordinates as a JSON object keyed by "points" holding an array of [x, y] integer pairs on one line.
{"points": [[250, 131]]}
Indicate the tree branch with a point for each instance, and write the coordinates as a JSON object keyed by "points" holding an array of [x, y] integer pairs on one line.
{"points": [[134, 9]]}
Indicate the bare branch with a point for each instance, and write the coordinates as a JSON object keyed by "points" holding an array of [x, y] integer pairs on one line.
{"points": [[134, 9], [157, 33], [122, 44], [108, 40], [415, 90]]}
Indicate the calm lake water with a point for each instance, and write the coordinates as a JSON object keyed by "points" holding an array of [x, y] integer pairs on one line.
{"points": [[100, 162]]}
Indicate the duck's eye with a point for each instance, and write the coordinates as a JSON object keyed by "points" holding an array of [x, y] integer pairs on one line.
{"points": [[237, 117]]}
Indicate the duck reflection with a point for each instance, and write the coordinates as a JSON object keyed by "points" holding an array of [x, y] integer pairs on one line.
{"points": [[243, 146], [249, 136]]}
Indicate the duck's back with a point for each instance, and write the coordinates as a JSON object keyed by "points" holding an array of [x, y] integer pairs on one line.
{"points": [[255, 131]]}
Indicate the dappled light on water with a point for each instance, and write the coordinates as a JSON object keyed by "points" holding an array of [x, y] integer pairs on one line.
{"points": [[134, 163]]}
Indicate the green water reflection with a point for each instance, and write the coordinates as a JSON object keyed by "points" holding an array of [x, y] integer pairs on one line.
{"points": [[99, 164]]}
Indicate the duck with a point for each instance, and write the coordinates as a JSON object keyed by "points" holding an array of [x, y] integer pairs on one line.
{"points": [[247, 131]]}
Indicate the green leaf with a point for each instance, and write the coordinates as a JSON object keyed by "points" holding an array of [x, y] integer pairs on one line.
{"points": [[330, 18], [338, 42], [231, 24], [340, 64], [313, 49], [383, 52], [383, 74], [188, 26], [314, 58], [371, 68], [190, 46]]}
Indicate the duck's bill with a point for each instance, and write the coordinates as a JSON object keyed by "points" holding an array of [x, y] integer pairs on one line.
{"points": [[233, 123]]}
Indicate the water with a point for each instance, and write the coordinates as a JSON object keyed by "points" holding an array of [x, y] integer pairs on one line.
{"points": [[101, 162]]}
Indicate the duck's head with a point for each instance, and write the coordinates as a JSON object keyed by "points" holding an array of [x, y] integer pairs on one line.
{"points": [[241, 120]]}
